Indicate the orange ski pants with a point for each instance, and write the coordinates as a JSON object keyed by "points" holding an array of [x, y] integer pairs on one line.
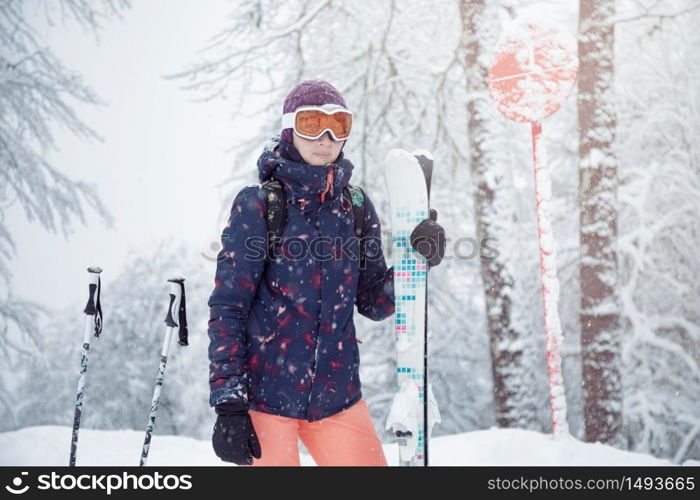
{"points": [[346, 438]]}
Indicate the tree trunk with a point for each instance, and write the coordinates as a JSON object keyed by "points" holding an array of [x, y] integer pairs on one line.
{"points": [[515, 406], [600, 309]]}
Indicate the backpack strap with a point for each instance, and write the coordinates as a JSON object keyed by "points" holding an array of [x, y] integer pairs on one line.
{"points": [[276, 211], [357, 198]]}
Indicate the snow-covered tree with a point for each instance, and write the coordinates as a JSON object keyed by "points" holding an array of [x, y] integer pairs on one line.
{"points": [[598, 183], [38, 92], [490, 161], [659, 122]]}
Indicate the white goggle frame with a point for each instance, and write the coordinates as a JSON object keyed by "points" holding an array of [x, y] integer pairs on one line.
{"points": [[289, 119]]}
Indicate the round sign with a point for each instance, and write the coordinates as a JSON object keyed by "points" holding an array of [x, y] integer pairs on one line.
{"points": [[534, 70]]}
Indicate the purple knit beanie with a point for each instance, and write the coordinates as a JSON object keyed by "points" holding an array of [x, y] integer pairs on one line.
{"points": [[310, 93]]}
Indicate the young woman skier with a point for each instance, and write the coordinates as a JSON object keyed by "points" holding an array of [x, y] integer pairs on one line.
{"points": [[284, 359]]}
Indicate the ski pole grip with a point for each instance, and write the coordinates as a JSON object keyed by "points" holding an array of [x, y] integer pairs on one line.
{"points": [[174, 307], [177, 312], [93, 306]]}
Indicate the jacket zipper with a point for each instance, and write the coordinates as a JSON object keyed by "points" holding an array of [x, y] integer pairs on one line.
{"points": [[329, 187], [329, 182], [313, 371]]}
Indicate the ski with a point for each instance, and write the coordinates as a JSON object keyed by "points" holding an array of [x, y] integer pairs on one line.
{"points": [[412, 415]]}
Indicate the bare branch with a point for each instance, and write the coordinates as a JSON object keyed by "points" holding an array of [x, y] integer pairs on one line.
{"points": [[648, 14]]}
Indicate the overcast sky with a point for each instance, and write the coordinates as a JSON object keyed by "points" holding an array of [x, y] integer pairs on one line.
{"points": [[162, 157]]}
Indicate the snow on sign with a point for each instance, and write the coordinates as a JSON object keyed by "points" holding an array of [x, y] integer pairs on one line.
{"points": [[533, 72]]}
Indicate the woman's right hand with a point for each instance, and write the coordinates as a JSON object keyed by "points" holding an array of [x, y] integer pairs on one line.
{"points": [[234, 438]]}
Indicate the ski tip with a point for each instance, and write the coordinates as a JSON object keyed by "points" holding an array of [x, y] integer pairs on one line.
{"points": [[422, 152], [398, 155], [94, 269], [176, 279]]}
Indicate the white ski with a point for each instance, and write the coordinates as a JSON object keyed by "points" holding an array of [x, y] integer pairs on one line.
{"points": [[409, 198]]}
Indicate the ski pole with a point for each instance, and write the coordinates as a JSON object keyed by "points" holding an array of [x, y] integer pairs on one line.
{"points": [[426, 164], [93, 325], [176, 311]]}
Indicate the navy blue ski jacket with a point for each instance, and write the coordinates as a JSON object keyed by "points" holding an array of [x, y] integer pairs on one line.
{"points": [[282, 335]]}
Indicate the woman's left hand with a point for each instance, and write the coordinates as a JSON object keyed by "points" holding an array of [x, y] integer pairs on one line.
{"points": [[428, 239]]}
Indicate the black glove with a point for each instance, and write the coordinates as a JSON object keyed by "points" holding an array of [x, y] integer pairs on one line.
{"points": [[428, 239], [234, 437]]}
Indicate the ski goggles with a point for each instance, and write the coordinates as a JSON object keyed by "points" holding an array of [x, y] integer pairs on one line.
{"points": [[311, 122]]}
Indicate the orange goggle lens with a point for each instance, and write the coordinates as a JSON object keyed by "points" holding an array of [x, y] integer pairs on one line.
{"points": [[313, 123]]}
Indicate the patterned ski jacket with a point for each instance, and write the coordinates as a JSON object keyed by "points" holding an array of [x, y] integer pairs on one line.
{"points": [[281, 333]]}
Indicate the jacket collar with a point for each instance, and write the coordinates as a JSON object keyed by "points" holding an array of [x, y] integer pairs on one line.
{"points": [[281, 160]]}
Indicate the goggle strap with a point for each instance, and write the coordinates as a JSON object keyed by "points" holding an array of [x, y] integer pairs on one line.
{"points": [[288, 120]]}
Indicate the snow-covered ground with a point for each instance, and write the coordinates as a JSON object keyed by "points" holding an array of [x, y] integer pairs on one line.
{"points": [[50, 446]]}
